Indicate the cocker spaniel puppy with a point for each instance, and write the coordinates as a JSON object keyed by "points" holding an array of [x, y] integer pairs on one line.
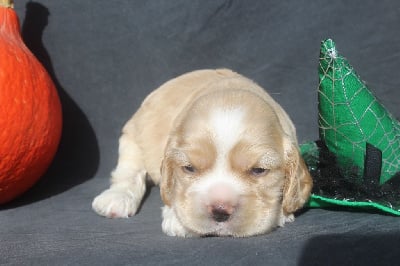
{"points": [[224, 153]]}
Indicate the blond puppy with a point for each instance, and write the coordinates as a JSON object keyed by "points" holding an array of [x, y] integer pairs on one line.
{"points": [[224, 153]]}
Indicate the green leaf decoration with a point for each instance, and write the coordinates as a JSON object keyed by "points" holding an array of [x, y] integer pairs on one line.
{"points": [[350, 116]]}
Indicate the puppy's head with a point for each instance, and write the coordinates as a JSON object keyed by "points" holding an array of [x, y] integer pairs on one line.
{"points": [[229, 169]]}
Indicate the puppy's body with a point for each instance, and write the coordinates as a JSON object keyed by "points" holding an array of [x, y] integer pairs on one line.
{"points": [[227, 152]]}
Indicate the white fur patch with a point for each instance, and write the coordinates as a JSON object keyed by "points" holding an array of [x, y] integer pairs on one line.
{"points": [[116, 203], [218, 184], [226, 127], [172, 226]]}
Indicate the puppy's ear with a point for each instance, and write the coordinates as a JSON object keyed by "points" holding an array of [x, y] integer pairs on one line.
{"points": [[298, 181], [167, 181]]}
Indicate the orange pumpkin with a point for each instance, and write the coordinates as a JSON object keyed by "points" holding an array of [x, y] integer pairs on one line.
{"points": [[30, 111]]}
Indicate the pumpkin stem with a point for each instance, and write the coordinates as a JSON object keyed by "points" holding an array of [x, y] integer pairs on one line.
{"points": [[7, 3]]}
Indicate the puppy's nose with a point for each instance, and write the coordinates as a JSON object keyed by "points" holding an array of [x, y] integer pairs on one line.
{"points": [[221, 212]]}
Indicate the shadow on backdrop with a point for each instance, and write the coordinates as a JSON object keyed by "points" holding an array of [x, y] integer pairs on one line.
{"points": [[77, 157], [352, 249]]}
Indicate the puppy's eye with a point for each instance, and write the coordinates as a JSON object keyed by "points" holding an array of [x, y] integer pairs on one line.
{"points": [[189, 169], [258, 171]]}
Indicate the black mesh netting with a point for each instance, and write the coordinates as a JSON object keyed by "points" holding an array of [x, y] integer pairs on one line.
{"points": [[330, 181]]}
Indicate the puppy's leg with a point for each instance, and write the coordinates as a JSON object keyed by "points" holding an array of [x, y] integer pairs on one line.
{"points": [[128, 183]]}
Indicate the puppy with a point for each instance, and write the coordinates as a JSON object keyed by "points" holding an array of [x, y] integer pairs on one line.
{"points": [[224, 153]]}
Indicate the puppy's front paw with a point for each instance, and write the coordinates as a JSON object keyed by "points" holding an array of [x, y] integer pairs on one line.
{"points": [[115, 203], [286, 219], [172, 226]]}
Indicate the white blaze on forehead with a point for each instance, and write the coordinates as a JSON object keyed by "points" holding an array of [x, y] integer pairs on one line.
{"points": [[226, 128]]}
